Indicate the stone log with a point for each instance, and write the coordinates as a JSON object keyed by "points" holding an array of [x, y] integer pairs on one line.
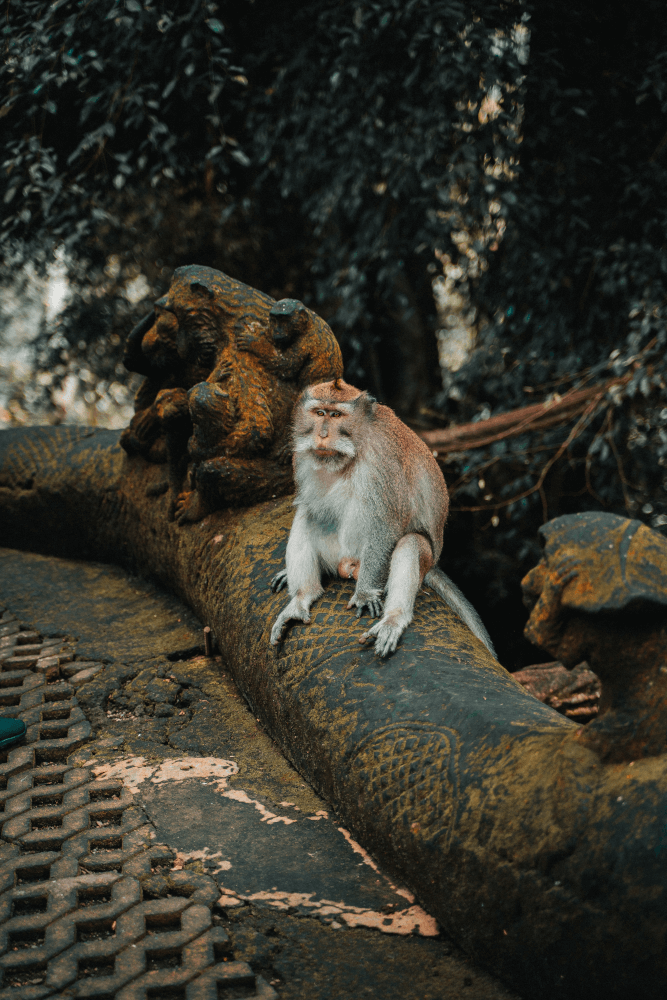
{"points": [[544, 862]]}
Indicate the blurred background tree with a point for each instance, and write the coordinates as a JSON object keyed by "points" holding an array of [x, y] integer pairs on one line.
{"points": [[473, 195]]}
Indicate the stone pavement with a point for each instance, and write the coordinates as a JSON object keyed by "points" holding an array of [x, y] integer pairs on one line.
{"points": [[155, 840]]}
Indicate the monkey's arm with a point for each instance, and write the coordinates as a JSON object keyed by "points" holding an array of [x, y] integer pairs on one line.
{"points": [[373, 569], [410, 560], [254, 429], [303, 576]]}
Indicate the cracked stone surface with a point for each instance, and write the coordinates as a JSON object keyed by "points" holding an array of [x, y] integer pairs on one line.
{"points": [[208, 841]]}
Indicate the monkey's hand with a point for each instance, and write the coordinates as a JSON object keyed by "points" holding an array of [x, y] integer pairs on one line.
{"points": [[279, 581], [370, 599], [221, 372], [296, 609], [386, 633]]}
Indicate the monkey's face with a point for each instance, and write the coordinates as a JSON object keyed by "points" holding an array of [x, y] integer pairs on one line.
{"points": [[324, 432], [159, 342]]}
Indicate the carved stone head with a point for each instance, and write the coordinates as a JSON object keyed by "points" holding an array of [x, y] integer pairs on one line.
{"points": [[600, 594]]}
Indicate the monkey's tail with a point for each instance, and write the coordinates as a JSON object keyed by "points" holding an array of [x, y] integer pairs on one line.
{"points": [[451, 595]]}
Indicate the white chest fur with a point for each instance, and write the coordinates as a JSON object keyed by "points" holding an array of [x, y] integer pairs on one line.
{"points": [[336, 516]]}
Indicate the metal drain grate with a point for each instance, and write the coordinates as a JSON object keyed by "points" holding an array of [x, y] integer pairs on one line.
{"points": [[77, 860]]}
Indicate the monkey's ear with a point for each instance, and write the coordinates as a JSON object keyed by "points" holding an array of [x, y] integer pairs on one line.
{"points": [[365, 403], [304, 398]]}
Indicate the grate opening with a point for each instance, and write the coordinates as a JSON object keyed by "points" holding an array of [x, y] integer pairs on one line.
{"points": [[3, 782], [162, 864], [8, 700], [29, 905], [54, 799], [38, 873], [108, 844], [162, 923], [101, 966], [5, 753], [86, 866], [57, 694], [52, 755], [12, 679], [46, 822], [55, 713], [49, 778], [53, 732], [222, 950], [40, 846], [18, 940], [93, 897], [106, 819], [104, 794], [242, 988], [163, 960], [95, 930], [32, 976], [166, 993]]}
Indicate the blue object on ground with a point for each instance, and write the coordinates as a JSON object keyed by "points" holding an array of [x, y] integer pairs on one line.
{"points": [[11, 731]]}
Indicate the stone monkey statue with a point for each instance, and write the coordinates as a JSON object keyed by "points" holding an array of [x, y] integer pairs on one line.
{"points": [[297, 345]]}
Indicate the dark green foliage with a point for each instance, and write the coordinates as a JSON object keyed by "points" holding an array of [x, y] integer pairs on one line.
{"points": [[102, 93], [372, 122]]}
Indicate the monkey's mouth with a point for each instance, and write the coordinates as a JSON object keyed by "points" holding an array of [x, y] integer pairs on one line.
{"points": [[325, 452]]}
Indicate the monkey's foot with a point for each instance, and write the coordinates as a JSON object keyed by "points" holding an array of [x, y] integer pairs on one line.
{"points": [[279, 581], [296, 609], [370, 599], [190, 507], [386, 633]]}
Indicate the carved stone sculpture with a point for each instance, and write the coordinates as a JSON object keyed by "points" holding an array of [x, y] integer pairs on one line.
{"points": [[224, 364], [600, 594]]}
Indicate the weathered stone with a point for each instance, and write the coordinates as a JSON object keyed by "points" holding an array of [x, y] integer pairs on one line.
{"points": [[224, 364], [85, 675], [161, 691], [600, 594]]}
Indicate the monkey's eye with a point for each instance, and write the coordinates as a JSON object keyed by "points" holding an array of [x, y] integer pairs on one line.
{"points": [[335, 413], [320, 413]]}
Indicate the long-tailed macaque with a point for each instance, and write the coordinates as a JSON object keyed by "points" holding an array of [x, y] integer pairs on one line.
{"points": [[371, 505]]}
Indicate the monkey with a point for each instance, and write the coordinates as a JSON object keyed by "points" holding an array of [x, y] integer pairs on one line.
{"points": [[371, 505], [297, 345]]}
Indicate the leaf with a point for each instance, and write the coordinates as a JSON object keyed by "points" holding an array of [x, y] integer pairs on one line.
{"points": [[215, 25], [241, 157]]}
